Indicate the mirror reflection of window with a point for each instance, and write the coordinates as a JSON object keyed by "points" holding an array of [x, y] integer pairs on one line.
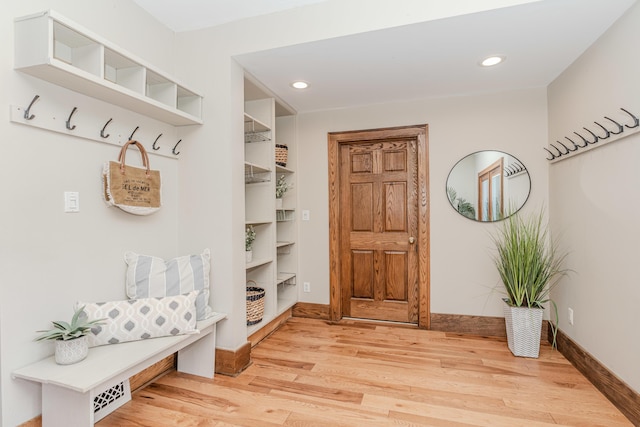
{"points": [[488, 186]]}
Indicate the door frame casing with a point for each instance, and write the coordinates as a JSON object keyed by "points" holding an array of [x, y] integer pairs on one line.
{"points": [[335, 140]]}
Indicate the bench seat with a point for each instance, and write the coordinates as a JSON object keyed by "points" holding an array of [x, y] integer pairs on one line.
{"points": [[69, 391]]}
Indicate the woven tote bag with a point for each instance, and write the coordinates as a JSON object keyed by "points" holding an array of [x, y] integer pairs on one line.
{"points": [[135, 190]]}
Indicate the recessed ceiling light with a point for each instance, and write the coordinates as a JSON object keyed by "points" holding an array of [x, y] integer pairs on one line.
{"points": [[492, 60], [300, 84]]}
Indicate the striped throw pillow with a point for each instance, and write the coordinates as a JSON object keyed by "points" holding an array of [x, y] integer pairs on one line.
{"points": [[149, 276]]}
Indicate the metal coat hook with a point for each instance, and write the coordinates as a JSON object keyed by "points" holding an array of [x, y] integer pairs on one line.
{"points": [[560, 153], [607, 135], [134, 131], [174, 148], [27, 114], [586, 143], [514, 168], [154, 143], [620, 127], [595, 137], [575, 146], [103, 129], [68, 122], [636, 121], [553, 156], [565, 147]]}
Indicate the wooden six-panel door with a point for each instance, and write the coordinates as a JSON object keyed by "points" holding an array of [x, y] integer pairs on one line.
{"points": [[379, 226], [381, 218]]}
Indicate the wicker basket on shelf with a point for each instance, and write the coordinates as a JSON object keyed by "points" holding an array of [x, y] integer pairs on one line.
{"points": [[255, 303], [282, 152]]}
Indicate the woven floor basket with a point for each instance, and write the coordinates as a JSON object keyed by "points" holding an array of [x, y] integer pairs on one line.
{"points": [[255, 305], [524, 326], [282, 152]]}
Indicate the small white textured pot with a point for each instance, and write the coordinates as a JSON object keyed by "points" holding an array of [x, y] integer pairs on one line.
{"points": [[71, 351], [248, 256], [524, 326], [278, 203]]}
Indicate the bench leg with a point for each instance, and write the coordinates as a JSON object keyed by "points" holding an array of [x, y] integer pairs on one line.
{"points": [[199, 358], [62, 407]]}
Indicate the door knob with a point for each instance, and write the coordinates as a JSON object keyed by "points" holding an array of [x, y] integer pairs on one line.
{"points": [[412, 240]]}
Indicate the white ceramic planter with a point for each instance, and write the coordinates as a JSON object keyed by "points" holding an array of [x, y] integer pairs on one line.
{"points": [[279, 203], [248, 256], [71, 351], [524, 326]]}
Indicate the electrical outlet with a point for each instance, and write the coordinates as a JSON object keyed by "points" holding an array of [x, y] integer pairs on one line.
{"points": [[570, 315], [305, 215], [307, 287]]}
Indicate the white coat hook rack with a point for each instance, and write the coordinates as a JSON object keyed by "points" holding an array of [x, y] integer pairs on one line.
{"points": [[88, 124], [594, 136]]}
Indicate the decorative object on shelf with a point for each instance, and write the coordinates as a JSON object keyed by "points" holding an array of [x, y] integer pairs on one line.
{"points": [[282, 153], [255, 303], [282, 186], [70, 338], [530, 265], [132, 189], [249, 237]]}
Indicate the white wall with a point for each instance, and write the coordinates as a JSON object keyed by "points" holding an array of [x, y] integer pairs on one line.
{"points": [[513, 122], [595, 201], [50, 259]]}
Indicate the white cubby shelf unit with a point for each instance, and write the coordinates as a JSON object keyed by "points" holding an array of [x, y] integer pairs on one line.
{"points": [[55, 49]]}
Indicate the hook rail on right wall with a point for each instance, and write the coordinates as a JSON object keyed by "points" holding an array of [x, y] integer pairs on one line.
{"points": [[587, 139]]}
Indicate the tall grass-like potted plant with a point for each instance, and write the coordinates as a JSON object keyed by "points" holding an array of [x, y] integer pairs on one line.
{"points": [[530, 264]]}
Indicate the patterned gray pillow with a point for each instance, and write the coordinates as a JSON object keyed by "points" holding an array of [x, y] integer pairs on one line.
{"points": [[138, 319]]}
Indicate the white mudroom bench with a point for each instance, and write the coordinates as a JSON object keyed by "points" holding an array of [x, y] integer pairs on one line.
{"points": [[79, 395]]}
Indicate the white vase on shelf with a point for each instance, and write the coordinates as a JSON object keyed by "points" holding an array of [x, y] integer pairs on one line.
{"points": [[279, 203], [248, 256]]}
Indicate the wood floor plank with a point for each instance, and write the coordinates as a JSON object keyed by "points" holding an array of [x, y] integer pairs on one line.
{"points": [[312, 372]]}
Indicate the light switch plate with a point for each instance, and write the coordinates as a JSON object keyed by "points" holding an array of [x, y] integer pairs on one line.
{"points": [[71, 201]]}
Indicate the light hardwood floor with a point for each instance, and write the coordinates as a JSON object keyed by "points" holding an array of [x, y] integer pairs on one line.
{"points": [[311, 373]]}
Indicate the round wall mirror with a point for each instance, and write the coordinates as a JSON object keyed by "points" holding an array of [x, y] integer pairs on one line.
{"points": [[488, 186]]}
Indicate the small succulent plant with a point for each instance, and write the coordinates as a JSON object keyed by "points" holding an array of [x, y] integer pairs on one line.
{"points": [[78, 327]]}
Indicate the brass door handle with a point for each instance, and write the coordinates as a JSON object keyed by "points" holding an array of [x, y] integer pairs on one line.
{"points": [[412, 240]]}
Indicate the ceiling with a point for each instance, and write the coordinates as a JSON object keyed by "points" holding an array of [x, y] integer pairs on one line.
{"points": [[436, 58]]}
